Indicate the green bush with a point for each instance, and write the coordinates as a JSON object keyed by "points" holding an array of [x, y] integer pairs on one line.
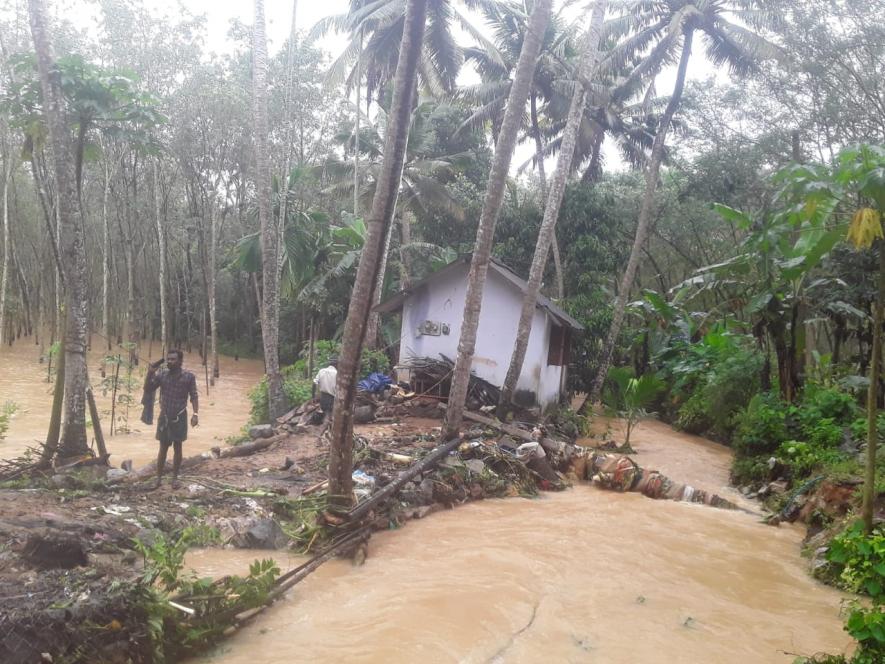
{"points": [[693, 415], [750, 470], [711, 381], [859, 559], [806, 458], [371, 361], [297, 391], [858, 562], [762, 427]]}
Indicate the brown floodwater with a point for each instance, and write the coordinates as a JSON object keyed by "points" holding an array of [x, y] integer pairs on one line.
{"points": [[580, 576], [223, 411]]}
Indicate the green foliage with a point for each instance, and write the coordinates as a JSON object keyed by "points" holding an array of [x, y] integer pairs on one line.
{"points": [[750, 470], [859, 560], [7, 410], [325, 349], [805, 458], [712, 380], [762, 427], [630, 397], [297, 391], [215, 602]]}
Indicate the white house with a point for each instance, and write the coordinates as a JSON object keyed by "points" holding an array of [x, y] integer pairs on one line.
{"points": [[431, 326]]}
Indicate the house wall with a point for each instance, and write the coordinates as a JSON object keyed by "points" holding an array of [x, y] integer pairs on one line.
{"points": [[442, 301]]}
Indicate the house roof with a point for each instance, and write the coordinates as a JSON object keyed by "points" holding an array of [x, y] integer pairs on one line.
{"points": [[396, 302]]}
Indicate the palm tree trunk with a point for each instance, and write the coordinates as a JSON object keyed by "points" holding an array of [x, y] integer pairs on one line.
{"points": [[4, 277], [869, 485], [551, 209], [374, 326], [287, 145], [479, 264], [643, 225], [542, 177], [356, 133], [383, 207], [270, 320], [73, 441], [405, 227], [161, 243]]}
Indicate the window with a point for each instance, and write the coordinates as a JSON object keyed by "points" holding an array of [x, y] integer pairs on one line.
{"points": [[560, 341]]}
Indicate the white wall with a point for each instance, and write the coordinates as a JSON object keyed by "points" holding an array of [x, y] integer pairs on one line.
{"points": [[442, 301]]}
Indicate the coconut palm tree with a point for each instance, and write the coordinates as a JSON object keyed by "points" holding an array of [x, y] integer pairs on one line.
{"points": [[422, 185], [668, 29], [383, 207], [479, 264], [73, 252], [551, 209], [270, 312]]}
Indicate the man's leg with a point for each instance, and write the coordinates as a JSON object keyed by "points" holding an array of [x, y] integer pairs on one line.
{"points": [[176, 462], [161, 462]]}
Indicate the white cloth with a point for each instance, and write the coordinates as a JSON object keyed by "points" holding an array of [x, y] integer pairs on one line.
{"points": [[326, 380]]}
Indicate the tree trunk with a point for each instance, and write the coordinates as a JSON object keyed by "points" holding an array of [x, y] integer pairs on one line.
{"points": [[73, 440], [869, 485], [405, 226], [58, 394], [161, 244], [4, 277], [356, 133], [105, 258], [551, 209], [131, 331], [270, 322], [644, 223], [213, 318], [479, 264], [383, 207], [373, 328], [542, 177]]}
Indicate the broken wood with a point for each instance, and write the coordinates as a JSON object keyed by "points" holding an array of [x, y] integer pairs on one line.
{"points": [[96, 425], [509, 429], [315, 487], [237, 451], [427, 462]]}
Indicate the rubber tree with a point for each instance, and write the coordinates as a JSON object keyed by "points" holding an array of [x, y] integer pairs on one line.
{"points": [[479, 264], [7, 253], [547, 232], [73, 437], [270, 311], [380, 218]]}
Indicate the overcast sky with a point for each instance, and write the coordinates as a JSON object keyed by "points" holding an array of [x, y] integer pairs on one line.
{"points": [[279, 15]]}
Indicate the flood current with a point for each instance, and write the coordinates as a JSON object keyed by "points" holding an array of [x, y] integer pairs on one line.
{"points": [[579, 576], [224, 409]]}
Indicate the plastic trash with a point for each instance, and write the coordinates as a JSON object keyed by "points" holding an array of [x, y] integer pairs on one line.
{"points": [[364, 485]]}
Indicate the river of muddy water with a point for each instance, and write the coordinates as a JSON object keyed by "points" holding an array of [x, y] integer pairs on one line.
{"points": [[223, 410], [580, 576]]}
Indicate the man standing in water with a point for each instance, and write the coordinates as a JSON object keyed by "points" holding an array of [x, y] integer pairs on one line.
{"points": [[175, 385], [326, 381]]}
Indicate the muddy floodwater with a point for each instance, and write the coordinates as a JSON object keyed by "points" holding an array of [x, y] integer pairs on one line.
{"points": [[223, 411], [580, 576]]}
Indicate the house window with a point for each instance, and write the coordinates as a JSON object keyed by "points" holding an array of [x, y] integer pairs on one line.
{"points": [[558, 351]]}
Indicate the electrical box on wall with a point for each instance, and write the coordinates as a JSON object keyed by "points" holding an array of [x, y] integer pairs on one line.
{"points": [[430, 328]]}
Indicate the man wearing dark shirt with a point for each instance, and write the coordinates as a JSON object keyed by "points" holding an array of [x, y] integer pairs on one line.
{"points": [[175, 386]]}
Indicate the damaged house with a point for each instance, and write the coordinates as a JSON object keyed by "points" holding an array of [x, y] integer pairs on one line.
{"points": [[431, 327]]}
